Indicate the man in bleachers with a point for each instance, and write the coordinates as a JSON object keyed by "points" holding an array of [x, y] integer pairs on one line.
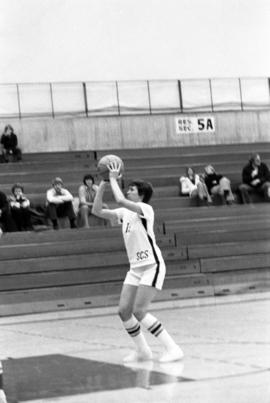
{"points": [[59, 204], [218, 184], [256, 179], [20, 208]]}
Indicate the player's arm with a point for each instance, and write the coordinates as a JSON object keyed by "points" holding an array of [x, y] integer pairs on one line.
{"points": [[120, 199], [98, 205]]}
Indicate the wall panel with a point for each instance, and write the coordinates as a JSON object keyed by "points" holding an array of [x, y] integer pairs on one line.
{"points": [[96, 133]]}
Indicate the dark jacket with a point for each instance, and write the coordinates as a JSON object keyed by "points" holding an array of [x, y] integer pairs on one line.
{"points": [[9, 141], [263, 174], [212, 180]]}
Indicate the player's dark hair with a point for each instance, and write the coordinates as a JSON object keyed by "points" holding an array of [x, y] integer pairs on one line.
{"points": [[145, 189], [87, 177]]}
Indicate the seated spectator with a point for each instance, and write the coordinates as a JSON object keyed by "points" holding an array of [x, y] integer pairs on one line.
{"points": [[193, 185], [87, 192], [6, 221], [59, 204], [20, 208], [218, 184], [9, 145], [256, 179]]}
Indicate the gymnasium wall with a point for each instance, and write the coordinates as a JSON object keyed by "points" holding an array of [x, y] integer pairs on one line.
{"points": [[79, 133]]}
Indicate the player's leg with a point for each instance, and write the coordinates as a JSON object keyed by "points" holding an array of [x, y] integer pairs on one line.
{"points": [[132, 325], [2, 393], [151, 283], [144, 297]]}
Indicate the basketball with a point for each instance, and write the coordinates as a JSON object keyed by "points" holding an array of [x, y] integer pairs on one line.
{"points": [[102, 166]]}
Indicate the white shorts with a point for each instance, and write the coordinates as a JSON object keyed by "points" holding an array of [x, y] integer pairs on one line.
{"points": [[152, 275]]}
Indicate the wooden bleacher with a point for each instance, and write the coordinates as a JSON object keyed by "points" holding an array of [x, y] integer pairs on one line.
{"points": [[162, 167], [209, 251]]}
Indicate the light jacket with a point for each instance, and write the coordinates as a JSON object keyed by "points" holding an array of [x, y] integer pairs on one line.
{"points": [[54, 197]]}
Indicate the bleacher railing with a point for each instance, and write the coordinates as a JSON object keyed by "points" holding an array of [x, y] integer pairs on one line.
{"points": [[133, 97]]}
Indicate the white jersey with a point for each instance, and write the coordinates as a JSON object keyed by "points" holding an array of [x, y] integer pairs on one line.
{"points": [[139, 237]]}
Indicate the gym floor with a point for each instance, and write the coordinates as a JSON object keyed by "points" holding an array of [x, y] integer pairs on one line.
{"points": [[76, 356]]}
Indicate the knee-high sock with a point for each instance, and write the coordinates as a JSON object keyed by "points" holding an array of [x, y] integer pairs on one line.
{"points": [[1, 376], [154, 326], [133, 328], [2, 393]]}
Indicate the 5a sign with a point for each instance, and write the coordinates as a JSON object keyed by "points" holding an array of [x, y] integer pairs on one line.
{"points": [[198, 124]]}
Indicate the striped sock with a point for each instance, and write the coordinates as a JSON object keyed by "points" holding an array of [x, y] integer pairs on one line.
{"points": [[154, 326], [1, 376], [133, 328], [2, 393]]}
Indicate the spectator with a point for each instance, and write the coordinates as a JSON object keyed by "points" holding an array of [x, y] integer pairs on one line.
{"points": [[9, 144], [20, 208], [59, 204], [87, 192], [256, 179], [194, 185], [218, 184], [6, 221]]}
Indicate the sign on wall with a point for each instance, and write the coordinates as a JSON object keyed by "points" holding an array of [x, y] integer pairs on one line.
{"points": [[198, 124]]}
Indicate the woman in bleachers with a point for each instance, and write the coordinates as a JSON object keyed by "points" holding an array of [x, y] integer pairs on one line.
{"points": [[9, 145], [193, 185], [87, 193]]}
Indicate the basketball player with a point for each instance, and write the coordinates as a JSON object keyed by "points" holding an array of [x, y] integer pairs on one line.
{"points": [[2, 393], [147, 268]]}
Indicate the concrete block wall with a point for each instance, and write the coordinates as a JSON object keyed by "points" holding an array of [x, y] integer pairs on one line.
{"points": [[97, 133]]}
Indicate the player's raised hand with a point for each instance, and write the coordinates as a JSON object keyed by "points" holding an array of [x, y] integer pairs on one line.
{"points": [[114, 167]]}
